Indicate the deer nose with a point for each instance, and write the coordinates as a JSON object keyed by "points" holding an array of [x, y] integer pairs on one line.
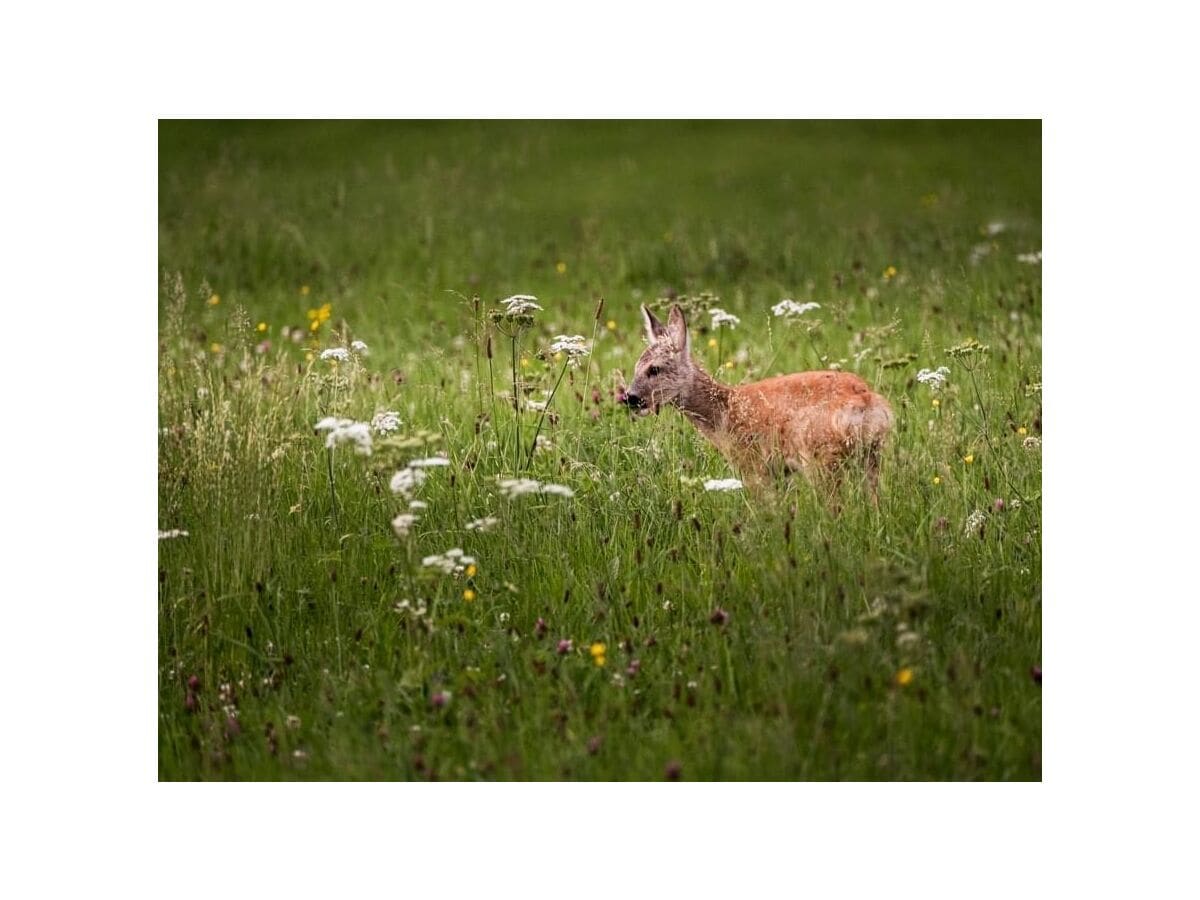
{"points": [[633, 401]]}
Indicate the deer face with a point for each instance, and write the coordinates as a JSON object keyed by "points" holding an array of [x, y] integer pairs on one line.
{"points": [[665, 368]]}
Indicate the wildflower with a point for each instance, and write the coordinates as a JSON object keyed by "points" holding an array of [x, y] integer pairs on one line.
{"points": [[539, 628], [934, 378], [1032, 259], [439, 699], [720, 317], [172, 533], [314, 325], [524, 362], [472, 569], [729, 365], [360, 348], [969, 458], [535, 405], [519, 305], [598, 651], [429, 462], [969, 347], [565, 646], [722, 484], [452, 562], [936, 403], [406, 481], [994, 228], [937, 479], [998, 505], [308, 357], [1022, 431], [1031, 443], [403, 523], [487, 523], [712, 343], [330, 423], [292, 722], [889, 273], [469, 595], [304, 290], [790, 309], [216, 348], [214, 299], [517, 487], [385, 422], [299, 755], [560, 267], [719, 616], [1035, 672], [261, 327], [975, 522], [572, 346], [908, 638], [349, 432], [904, 677], [611, 324], [339, 354]]}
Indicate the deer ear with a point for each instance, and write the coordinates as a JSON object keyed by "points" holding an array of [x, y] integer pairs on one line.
{"points": [[654, 328], [677, 330]]}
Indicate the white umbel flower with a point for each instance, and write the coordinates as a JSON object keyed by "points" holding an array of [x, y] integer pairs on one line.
{"points": [[429, 462], [722, 484], [406, 481], [790, 309], [720, 317], [574, 346], [360, 348], [385, 422], [935, 378], [1032, 259], [487, 523], [519, 304], [452, 562], [172, 533], [517, 487], [356, 433], [341, 354], [403, 523]]}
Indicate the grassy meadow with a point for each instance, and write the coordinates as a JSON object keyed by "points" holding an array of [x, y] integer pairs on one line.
{"points": [[642, 627]]}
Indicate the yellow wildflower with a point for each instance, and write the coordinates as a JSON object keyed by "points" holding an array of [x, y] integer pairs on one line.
{"points": [[1022, 431], [560, 267], [325, 311], [262, 326], [904, 677], [524, 363], [216, 348], [936, 402], [214, 299], [969, 458], [712, 343], [314, 324], [611, 324], [729, 365], [598, 650], [937, 479], [471, 570], [304, 290], [308, 357], [469, 595], [889, 272]]}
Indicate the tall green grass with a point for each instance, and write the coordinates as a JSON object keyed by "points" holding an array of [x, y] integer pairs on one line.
{"points": [[882, 643]]}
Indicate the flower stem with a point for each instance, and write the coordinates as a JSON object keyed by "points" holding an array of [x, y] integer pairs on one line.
{"points": [[542, 417], [516, 402], [332, 493]]}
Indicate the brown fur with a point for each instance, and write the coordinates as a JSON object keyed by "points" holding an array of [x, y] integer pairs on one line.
{"points": [[807, 421]]}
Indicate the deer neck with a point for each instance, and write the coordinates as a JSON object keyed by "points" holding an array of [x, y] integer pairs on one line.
{"points": [[705, 401]]}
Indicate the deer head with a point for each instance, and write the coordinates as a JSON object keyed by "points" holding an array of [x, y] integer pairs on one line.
{"points": [[665, 369]]}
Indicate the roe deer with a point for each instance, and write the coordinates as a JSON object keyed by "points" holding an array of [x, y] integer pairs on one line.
{"points": [[807, 421]]}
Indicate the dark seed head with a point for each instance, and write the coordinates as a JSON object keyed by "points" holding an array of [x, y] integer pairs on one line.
{"points": [[674, 770], [719, 616]]}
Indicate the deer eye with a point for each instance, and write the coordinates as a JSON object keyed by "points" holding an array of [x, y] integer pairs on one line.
{"points": [[653, 370]]}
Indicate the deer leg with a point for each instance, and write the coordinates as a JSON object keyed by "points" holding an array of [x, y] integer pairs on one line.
{"points": [[872, 473]]}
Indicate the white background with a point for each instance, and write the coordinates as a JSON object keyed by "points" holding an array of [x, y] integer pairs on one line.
{"points": [[83, 88]]}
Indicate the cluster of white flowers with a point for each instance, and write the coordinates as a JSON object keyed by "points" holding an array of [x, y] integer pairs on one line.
{"points": [[429, 462], [406, 481], [487, 523], [403, 523], [173, 533], [722, 484], [418, 504], [360, 347], [341, 354], [516, 487], [720, 317], [1032, 259], [935, 378], [974, 522], [452, 562], [994, 228], [789, 309], [572, 345], [346, 431], [386, 422], [519, 304], [1033, 442], [535, 405]]}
